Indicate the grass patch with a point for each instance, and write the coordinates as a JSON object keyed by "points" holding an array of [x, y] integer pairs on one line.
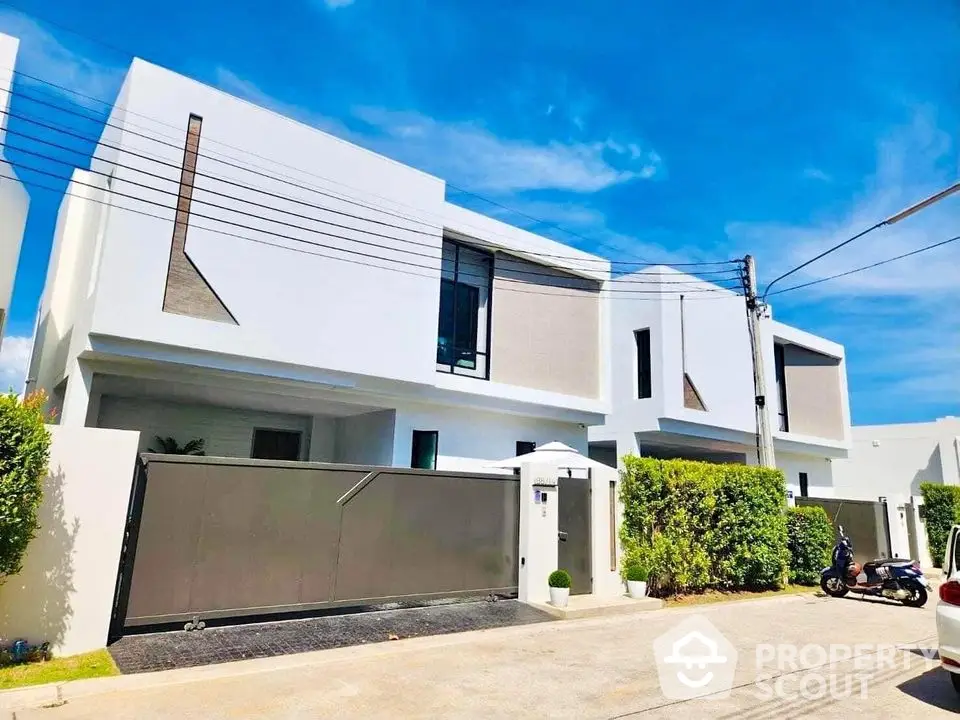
{"points": [[76, 667], [714, 596]]}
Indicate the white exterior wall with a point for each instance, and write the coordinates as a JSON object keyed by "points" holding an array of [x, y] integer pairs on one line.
{"points": [[888, 460], [227, 432], [64, 595], [366, 439], [715, 343], [66, 305], [470, 440], [14, 199]]}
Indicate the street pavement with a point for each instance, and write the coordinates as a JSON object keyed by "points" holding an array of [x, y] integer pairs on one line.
{"points": [[595, 668]]}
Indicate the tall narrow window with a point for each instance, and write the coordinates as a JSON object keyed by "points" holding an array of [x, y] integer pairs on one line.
{"points": [[464, 318], [423, 451], [644, 379], [804, 485], [779, 364]]}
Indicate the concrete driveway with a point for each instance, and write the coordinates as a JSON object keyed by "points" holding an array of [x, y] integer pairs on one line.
{"points": [[597, 668]]}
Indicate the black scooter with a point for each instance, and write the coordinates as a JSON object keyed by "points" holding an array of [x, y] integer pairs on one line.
{"points": [[891, 578]]}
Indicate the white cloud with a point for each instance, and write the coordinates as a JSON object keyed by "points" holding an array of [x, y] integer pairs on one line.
{"points": [[14, 359], [468, 154], [910, 166], [43, 56], [813, 173], [896, 321], [334, 4], [230, 82]]}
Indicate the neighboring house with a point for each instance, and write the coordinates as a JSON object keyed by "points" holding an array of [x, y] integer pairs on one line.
{"points": [[682, 383], [892, 460], [224, 273], [14, 199]]}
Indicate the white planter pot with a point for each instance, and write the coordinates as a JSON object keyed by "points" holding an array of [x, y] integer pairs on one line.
{"points": [[637, 589], [559, 596]]}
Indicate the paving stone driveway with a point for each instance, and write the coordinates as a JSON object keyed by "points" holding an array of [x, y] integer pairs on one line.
{"points": [[166, 651]]}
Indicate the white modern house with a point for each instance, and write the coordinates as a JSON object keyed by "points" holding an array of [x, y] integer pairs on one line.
{"points": [[14, 200], [893, 460], [682, 384], [226, 274]]}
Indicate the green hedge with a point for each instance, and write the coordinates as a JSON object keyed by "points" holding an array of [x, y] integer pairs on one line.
{"points": [[24, 452], [941, 505], [700, 525], [810, 541]]}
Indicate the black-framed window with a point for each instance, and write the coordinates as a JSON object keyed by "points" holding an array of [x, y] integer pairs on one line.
{"points": [[463, 328], [779, 369], [804, 485], [644, 371], [269, 444], [423, 449], [525, 446]]}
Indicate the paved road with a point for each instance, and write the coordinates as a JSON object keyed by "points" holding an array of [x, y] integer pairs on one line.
{"points": [[598, 668]]}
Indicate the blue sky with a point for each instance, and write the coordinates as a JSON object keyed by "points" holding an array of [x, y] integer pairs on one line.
{"points": [[667, 131]]}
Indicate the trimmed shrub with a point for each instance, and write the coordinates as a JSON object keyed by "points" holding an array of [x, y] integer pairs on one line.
{"points": [[810, 541], [941, 505], [559, 579], [636, 573], [24, 453], [704, 525]]}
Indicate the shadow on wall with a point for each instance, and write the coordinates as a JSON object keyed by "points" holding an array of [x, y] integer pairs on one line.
{"points": [[931, 473], [35, 604]]}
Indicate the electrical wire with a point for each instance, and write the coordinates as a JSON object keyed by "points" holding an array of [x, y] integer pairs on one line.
{"points": [[126, 127], [198, 199], [435, 270], [924, 249]]}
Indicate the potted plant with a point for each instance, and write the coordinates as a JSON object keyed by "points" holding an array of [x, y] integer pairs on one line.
{"points": [[636, 576], [559, 582]]}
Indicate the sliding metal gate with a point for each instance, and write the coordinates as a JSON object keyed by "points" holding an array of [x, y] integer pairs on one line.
{"points": [[222, 537], [864, 521]]}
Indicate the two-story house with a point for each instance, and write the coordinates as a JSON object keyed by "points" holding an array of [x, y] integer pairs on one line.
{"points": [[224, 273], [683, 385], [14, 199]]}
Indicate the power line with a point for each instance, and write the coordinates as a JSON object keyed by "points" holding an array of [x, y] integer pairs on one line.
{"points": [[435, 270], [285, 180], [247, 152], [870, 266], [199, 200]]}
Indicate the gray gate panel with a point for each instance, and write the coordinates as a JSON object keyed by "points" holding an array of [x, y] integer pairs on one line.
{"points": [[409, 534], [911, 510], [221, 537], [169, 530], [574, 554], [864, 521]]}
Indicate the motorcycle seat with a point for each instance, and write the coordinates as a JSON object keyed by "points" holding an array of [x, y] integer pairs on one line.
{"points": [[889, 562]]}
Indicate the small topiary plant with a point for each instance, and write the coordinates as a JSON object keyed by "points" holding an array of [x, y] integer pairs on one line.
{"points": [[559, 579], [24, 453], [636, 573]]}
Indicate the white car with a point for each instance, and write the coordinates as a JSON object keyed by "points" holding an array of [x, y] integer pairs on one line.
{"points": [[948, 609]]}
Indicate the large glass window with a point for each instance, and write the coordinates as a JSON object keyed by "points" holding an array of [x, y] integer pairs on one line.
{"points": [[463, 327]]}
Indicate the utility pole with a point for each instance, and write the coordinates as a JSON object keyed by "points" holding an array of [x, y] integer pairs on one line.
{"points": [[754, 311]]}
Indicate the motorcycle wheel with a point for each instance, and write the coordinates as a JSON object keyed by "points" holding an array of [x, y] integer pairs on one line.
{"points": [[918, 598], [833, 586]]}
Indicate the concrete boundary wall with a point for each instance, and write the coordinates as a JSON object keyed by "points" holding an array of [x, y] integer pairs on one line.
{"points": [[65, 593]]}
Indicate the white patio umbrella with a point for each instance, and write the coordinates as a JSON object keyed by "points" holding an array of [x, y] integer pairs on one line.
{"points": [[557, 454]]}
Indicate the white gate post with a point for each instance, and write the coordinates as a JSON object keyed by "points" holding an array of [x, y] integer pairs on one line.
{"points": [[538, 530]]}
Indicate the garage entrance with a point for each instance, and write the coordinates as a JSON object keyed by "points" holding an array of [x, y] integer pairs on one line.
{"points": [[236, 538]]}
